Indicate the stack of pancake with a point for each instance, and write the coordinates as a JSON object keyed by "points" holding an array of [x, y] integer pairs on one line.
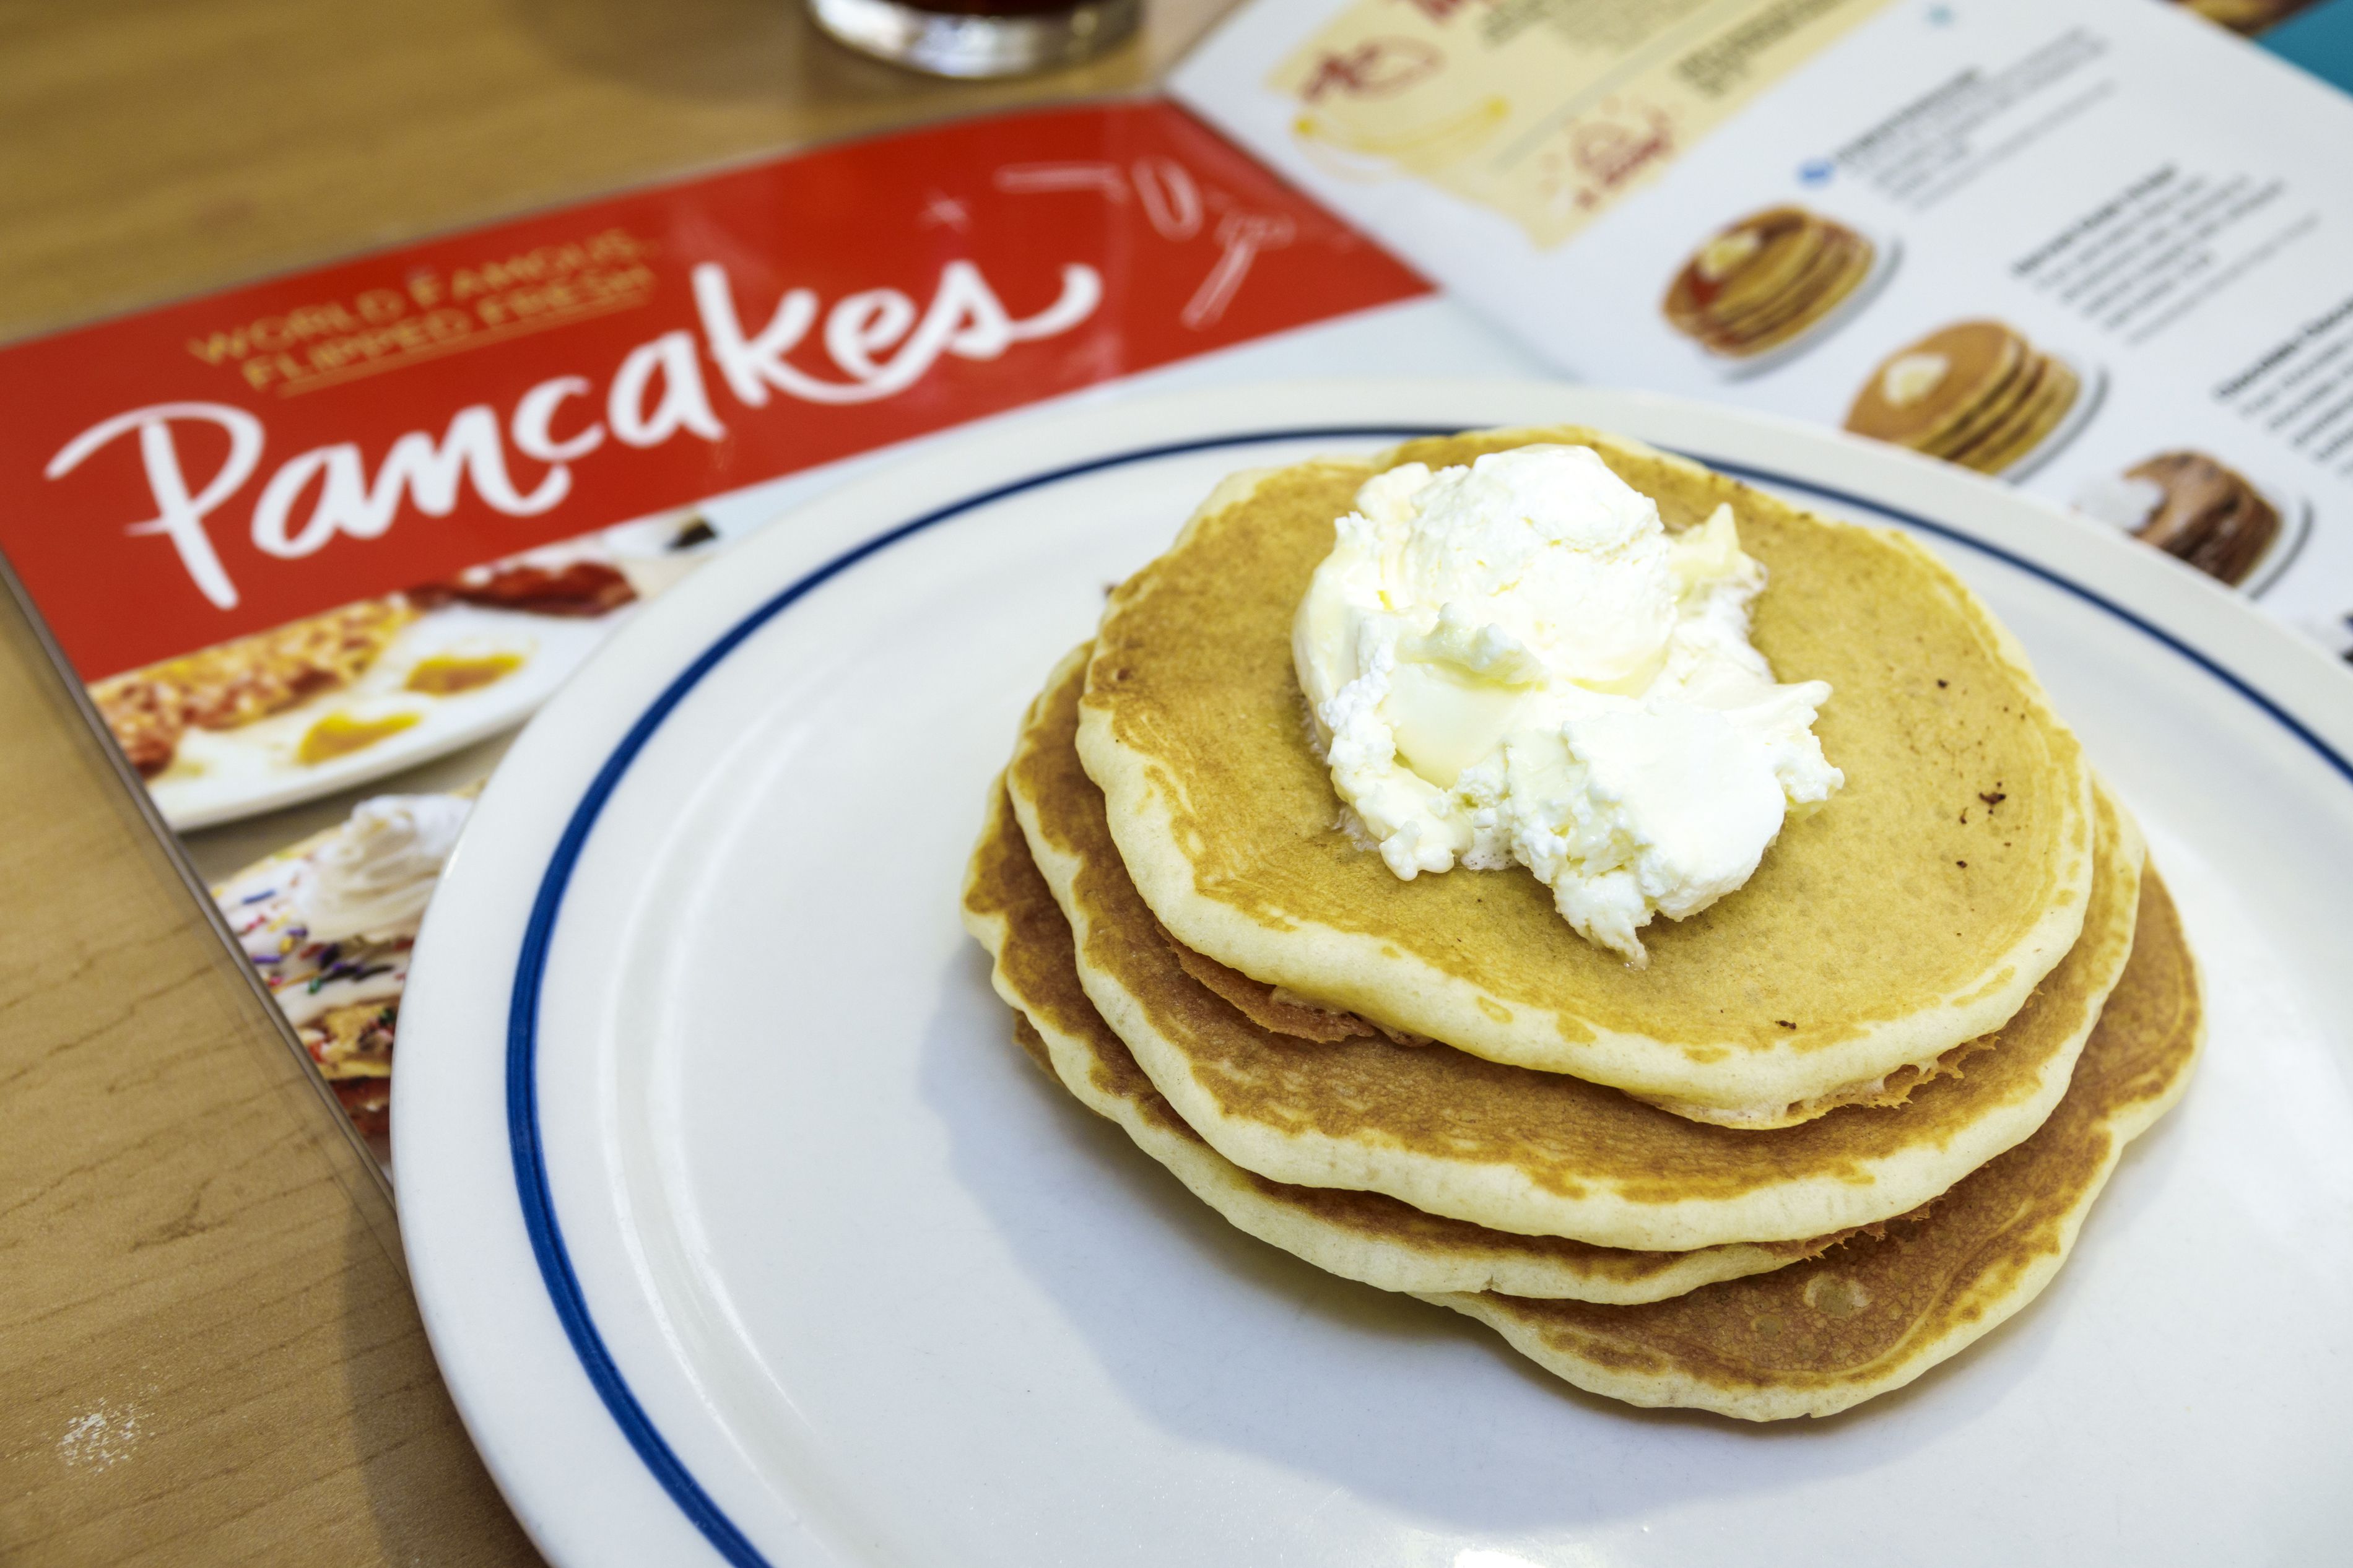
{"points": [[1847, 1119], [1760, 282], [2205, 513], [1976, 393]]}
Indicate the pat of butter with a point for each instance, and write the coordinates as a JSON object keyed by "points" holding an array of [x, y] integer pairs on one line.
{"points": [[1513, 662], [1727, 253], [1908, 378], [1444, 721]]}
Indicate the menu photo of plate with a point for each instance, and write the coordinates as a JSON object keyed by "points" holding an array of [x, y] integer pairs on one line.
{"points": [[2240, 530], [1767, 287], [382, 684], [1980, 394]]}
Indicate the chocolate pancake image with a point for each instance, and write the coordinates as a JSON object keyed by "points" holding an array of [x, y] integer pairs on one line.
{"points": [[2208, 515], [1913, 911], [1878, 1310], [1536, 1152], [1764, 279], [1358, 1236]]}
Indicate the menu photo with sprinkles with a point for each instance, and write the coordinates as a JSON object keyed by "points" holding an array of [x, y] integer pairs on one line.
{"points": [[314, 548]]}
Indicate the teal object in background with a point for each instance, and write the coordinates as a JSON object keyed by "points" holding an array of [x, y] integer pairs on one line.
{"points": [[2320, 40]]}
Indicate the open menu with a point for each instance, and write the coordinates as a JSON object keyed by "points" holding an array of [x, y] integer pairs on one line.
{"points": [[314, 545], [2094, 249]]}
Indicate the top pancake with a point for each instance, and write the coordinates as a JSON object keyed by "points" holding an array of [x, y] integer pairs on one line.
{"points": [[1538, 1153], [1914, 910]]}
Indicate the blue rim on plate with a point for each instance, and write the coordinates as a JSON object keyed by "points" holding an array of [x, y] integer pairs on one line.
{"points": [[563, 1283]]}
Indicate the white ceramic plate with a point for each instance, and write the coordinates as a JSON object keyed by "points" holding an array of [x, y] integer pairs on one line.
{"points": [[743, 1232]]}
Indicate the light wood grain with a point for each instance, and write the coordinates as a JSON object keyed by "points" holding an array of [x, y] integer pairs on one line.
{"points": [[210, 1353], [157, 147], [207, 1349]]}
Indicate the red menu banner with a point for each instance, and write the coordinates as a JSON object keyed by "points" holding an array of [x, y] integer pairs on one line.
{"points": [[191, 474]]}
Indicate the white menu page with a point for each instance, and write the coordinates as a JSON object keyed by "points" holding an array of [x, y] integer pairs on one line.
{"points": [[2094, 247]]}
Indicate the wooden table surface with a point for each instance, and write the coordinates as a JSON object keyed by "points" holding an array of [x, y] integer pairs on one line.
{"points": [[209, 1352]]}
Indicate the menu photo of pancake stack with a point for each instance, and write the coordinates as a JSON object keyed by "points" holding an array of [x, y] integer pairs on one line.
{"points": [[1372, 895], [1978, 393], [1767, 285], [2193, 505]]}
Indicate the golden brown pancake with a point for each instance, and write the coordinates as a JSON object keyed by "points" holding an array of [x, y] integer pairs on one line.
{"points": [[1903, 403], [1514, 1149], [1998, 408], [1835, 269], [1269, 1007], [1845, 263], [1749, 263], [1762, 281], [1997, 401], [1877, 1311], [1359, 1236], [1913, 911], [1273, 1010], [2038, 414]]}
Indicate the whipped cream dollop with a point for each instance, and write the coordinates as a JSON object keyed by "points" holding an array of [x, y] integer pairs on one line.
{"points": [[374, 877], [1515, 662]]}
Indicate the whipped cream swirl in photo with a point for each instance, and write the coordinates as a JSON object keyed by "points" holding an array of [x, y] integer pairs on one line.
{"points": [[1515, 662], [373, 877]]}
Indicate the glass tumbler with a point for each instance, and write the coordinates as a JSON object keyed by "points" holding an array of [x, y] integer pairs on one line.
{"points": [[978, 38]]}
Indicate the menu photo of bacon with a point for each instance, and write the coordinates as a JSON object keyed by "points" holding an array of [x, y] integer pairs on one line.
{"points": [[381, 684]]}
